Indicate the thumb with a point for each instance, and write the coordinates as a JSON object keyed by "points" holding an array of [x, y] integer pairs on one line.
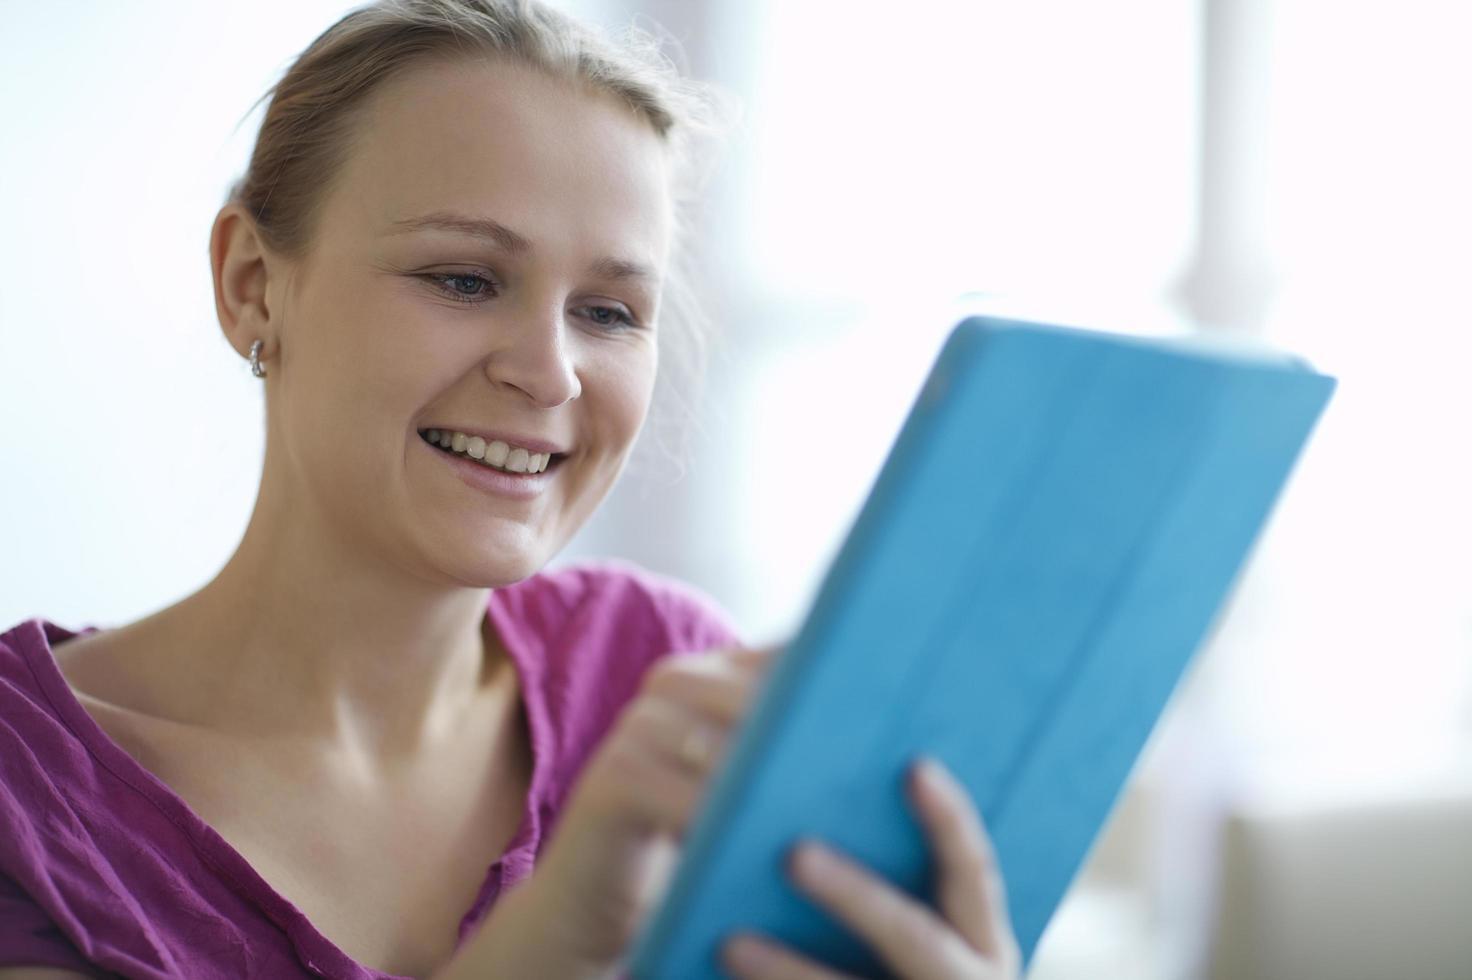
{"points": [[759, 656]]}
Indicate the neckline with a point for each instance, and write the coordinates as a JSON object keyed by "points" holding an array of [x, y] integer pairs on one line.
{"points": [[313, 948]]}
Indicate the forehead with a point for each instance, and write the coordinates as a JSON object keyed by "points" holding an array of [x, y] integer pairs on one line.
{"points": [[566, 166]]}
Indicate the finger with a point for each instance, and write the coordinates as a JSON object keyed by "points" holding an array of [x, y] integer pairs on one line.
{"points": [[709, 683], [907, 934], [750, 957], [971, 895], [642, 784], [672, 729], [758, 657]]}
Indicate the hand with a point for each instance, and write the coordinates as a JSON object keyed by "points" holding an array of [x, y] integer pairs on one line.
{"points": [[615, 848], [970, 938]]}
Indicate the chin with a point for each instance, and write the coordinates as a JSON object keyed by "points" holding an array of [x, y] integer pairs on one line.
{"points": [[492, 567], [505, 573]]}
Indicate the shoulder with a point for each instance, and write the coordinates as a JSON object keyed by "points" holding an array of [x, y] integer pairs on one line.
{"points": [[690, 617], [37, 754], [589, 631], [40, 757], [29, 656], [14, 642], [29, 717], [637, 603]]}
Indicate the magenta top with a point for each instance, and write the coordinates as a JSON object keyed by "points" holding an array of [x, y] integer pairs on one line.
{"points": [[105, 870]]}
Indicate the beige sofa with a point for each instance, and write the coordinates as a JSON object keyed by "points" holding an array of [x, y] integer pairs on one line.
{"points": [[1286, 875]]}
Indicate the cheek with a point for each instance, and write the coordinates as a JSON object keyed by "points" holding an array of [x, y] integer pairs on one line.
{"points": [[617, 387], [629, 390], [386, 351], [358, 376]]}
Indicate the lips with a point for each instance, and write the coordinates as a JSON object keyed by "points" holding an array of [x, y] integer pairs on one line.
{"points": [[496, 483], [530, 443], [511, 460]]}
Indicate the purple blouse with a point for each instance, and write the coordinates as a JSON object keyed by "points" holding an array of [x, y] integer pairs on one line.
{"points": [[105, 870]]}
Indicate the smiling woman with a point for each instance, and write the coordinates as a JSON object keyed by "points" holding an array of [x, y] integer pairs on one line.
{"points": [[493, 318], [344, 754]]}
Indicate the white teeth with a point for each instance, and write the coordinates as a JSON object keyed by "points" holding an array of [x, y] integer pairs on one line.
{"points": [[496, 453]]}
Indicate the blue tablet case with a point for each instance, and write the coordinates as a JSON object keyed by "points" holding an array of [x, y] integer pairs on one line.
{"points": [[1042, 553]]}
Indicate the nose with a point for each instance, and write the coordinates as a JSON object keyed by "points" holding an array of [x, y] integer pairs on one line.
{"points": [[534, 354]]}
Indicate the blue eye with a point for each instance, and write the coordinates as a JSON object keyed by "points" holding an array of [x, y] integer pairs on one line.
{"points": [[446, 280], [472, 288], [607, 316]]}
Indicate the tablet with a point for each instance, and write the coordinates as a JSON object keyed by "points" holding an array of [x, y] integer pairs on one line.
{"points": [[1044, 549]]}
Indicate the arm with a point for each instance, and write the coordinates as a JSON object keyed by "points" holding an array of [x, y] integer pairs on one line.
{"points": [[616, 844], [39, 973]]}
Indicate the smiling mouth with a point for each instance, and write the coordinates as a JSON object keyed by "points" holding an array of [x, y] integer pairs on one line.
{"points": [[515, 462]]}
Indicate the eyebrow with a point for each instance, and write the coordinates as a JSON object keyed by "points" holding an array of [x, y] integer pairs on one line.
{"points": [[615, 270]]}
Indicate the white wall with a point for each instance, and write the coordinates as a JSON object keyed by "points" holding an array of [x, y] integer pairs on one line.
{"points": [[131, 434]]}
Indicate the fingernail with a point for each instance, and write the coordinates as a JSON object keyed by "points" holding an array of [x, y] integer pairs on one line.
{"points": [[745, 954], [933, 773], [815, 859]]}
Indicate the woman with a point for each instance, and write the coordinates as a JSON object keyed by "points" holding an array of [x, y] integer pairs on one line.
{"points": [[446, 265]]}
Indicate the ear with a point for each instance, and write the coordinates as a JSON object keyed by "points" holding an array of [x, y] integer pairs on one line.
{"points": [[243, 267]]}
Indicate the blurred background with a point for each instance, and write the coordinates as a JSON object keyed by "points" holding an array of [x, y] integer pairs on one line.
{"points": [[1283, 172]]}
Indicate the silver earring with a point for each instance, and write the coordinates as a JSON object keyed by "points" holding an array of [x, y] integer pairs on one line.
{"points": [[255, 359]]}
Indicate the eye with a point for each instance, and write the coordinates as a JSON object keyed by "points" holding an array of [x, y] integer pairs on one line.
{"points": [[448, 284], [608, 316]]}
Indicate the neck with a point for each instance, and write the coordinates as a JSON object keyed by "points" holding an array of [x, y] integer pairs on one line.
{"points": [[303, 634]]}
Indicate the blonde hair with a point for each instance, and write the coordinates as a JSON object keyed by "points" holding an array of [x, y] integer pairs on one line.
{"points": [[315, 107]]}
